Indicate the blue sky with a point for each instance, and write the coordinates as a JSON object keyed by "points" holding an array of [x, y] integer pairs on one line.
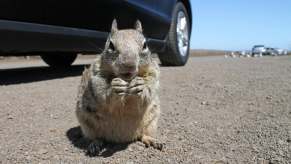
{"points": [[239, 24]]}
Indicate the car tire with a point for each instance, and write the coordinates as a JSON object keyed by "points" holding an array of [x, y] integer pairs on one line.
{"points": [[59, 60], [177, 47]]}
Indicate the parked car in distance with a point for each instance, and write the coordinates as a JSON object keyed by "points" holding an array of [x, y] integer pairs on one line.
{"points": [[258, 50], [262, 50], [275, 51], [271, 51], [58, 30], [281, 51]]}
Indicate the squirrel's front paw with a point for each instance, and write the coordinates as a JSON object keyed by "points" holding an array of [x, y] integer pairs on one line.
{"points": [[136, 86], [119, 86]]}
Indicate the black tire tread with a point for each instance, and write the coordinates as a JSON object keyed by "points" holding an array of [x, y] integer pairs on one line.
{"points": [[171, 56], [58, 60]]}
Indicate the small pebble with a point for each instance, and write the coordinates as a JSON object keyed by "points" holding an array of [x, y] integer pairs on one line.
{"points": [[42, 151], [263, 161], [269, 97], [129, 162], [204, 103]]}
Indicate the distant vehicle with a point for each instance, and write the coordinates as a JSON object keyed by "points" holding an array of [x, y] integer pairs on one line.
{"points": [[271, 51], [59, 30], [259, 50], [275, 51], [281, 51]]}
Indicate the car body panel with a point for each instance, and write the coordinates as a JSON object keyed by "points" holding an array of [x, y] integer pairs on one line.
{"points": [[19, 37]]}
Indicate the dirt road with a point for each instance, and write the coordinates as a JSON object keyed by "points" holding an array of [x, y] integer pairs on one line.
{"points": [[215, 110]]}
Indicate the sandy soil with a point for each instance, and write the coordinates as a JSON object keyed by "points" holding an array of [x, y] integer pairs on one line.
{"points": [[215, 110]]}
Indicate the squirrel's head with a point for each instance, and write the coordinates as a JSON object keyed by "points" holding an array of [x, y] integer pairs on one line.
{"points": [[126, 51]]}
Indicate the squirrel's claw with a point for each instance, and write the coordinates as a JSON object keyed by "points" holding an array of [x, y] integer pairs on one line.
{"points": [[136, 86], [136, 90], [95, 148], [150, 141], [119, 86]]}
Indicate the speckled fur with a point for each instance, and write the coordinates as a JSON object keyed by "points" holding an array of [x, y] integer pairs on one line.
{"points": [[127, 116]]}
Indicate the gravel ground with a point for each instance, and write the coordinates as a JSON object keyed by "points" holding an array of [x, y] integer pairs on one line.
{"points": [[214, 110]]}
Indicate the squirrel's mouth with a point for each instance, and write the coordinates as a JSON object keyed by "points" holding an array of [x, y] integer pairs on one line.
{"points": [[128, 75]]}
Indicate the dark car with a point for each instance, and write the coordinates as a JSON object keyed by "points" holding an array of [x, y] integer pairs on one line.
{"points": [[59, 30]]}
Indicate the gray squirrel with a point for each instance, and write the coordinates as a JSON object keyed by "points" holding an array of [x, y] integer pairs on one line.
{"points": [[118, 96]]}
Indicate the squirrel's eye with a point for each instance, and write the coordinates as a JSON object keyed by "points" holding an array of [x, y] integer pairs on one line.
{"points": [[111, 46], [145, 46]]}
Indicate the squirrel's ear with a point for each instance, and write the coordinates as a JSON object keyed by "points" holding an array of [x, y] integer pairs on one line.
{"points": [[114, 27], [138, 26]]}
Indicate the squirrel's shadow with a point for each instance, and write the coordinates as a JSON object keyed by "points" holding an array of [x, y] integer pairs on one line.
{"points": [[77, 139]]}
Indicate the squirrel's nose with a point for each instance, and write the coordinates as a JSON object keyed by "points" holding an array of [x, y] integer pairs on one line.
{"points": [[129, 66], [128, 62]]}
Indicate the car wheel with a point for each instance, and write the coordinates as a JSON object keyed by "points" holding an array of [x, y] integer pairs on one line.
{"points": [[177, 49], [59, 60]]}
